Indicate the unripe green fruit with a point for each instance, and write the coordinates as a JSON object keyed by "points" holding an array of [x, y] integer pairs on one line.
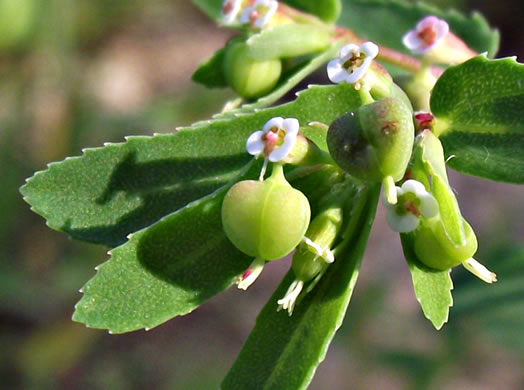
{"points": [[323, 231], [265, 219], [436, 250], [248, 77], [375, 141]]}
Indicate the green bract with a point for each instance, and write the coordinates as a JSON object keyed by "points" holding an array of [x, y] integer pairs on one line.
{"points": [[247, 76], [265, 219], [435, 249], [374, 141]]}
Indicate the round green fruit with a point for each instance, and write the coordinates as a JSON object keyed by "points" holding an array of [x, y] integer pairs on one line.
{"points": [[375, 141], [265, 219], [435, 249], [248, 77]]}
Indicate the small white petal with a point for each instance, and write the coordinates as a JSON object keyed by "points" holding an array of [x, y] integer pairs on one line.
{"points": [[291, 125], [402, 223], [412, 41], [254, 144], [414, 187], [369, 49], [281, 152], [352, 78], [336, 73], [273, 122], [428, 205], [347, 51]]}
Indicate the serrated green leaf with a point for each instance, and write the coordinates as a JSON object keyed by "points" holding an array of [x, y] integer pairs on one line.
{"points": [[112, 191], [283, 352], [432, 287], [478, 106], [327, 10], [288, 41], [433, 159], [165, 270], [210, 73], [386, 22]]}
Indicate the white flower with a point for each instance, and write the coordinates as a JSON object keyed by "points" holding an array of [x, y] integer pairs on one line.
{"points": [[426, 35], [413, 202], [230, 10], [275, 140], [352, 63], [259, 13]]}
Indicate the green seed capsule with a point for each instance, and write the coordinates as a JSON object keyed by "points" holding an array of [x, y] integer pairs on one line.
{"points": [[265, 219], [375, 141], [248, 77], [435, 249]]}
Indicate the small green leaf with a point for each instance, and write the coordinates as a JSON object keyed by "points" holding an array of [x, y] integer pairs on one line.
{"points": [[112, 191], [433, 160], [327, 10], [210, 73], [283, 352], [287, 41], [478, 106], [432, 287], [165, 270], [386, 22]]}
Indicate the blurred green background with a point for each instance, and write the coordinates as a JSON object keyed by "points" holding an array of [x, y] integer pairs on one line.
{"points": [[75, 74]]}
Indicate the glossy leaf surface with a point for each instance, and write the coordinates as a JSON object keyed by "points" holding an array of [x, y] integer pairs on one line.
{"points": [[479, 106]]}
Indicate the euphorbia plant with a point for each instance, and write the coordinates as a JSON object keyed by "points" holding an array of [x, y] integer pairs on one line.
{"points": [[191, 213]]}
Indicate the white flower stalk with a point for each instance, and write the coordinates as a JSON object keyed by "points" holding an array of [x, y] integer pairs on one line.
{"points": [[274, 141], [480, 271], [289, 300], [427, 34], [230, 11], [251, 274], [413, 202], [260, 13], [352, 63]]}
